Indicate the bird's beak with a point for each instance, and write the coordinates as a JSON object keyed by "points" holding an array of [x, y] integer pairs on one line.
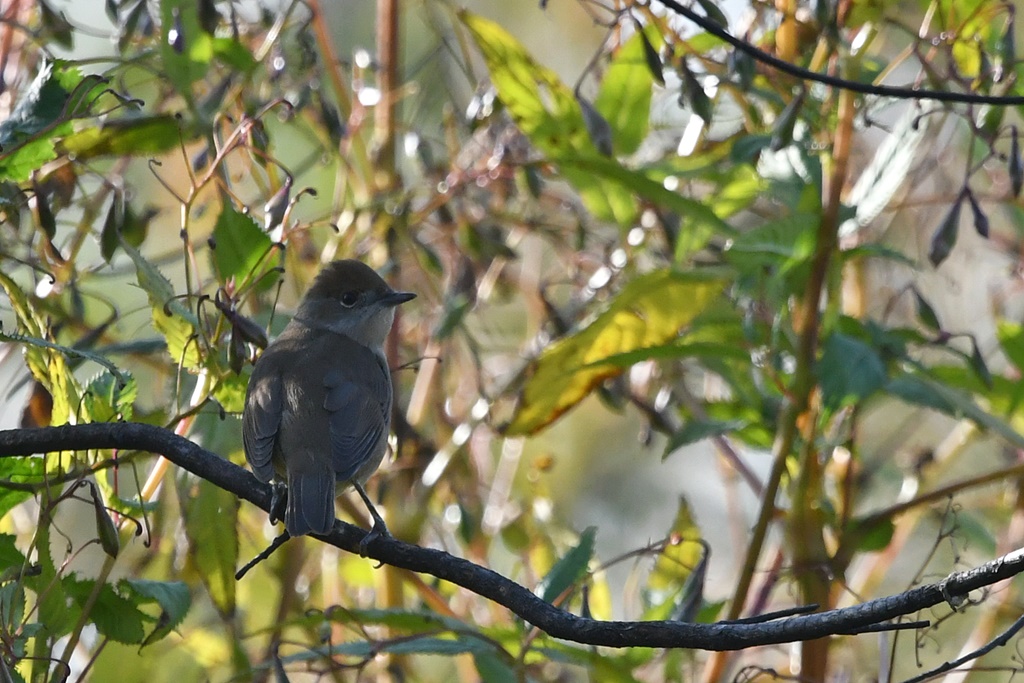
{"points": [[396, 298]]}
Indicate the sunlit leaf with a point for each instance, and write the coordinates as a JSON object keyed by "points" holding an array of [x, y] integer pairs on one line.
{"points": [[134, 136], [624, 98], [546, 110], [172, 319], [238, 245], [1011, 340], [211, 515], [649, 311], [681, 555]]}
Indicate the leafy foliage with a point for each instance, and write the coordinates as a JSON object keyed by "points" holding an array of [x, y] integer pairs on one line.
{"points": [[721, 253]]}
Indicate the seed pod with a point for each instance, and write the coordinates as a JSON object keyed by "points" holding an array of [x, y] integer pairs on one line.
{"points": [[693, 93], [651, 56], [945, 236], [598, 128], [782, 133], [980, 219], [105, 529], [714, 13]]}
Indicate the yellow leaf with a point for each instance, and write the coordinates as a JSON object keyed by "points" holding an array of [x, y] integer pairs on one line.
{"points": [[650, 311]]}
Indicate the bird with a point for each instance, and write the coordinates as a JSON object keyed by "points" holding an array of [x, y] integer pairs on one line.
{"points": [[317, 409]]}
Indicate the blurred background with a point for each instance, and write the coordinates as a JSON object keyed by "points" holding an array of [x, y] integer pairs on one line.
{"points": [[524, 169]]}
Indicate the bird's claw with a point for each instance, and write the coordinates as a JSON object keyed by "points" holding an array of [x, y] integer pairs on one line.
{"points": [[379, 530], [278, 502]]}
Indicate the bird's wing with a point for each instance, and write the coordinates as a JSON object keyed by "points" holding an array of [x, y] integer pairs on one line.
{"points": [[261, 418], [358, 408]]}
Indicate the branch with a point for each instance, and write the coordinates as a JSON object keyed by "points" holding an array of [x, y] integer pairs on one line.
{"points": [[493, 586], [803, 74]]}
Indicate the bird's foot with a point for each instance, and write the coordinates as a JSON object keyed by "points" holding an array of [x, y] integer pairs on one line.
{"points": [[379, 529], [278, 502]]}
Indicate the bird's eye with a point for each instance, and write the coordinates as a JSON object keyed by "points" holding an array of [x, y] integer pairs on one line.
{"points": [[349, 299]]}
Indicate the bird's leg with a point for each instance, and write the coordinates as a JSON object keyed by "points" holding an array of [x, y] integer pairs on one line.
{"points": [[278, 501], [379, 527]]}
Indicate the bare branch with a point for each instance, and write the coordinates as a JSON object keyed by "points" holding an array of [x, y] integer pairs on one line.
{"points": [[493, 586]]}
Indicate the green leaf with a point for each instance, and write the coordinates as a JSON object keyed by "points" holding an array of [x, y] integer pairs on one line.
{"points": [[871, 538], [924, 391], [547, 112], [115, 616], [109, 398], [698, 430], [849, 371], [624, 97], [569, 569], [22, 471], [10, 556], [234, 54], [178, 328], [1011, 340], [185, 49], [238, 245], [491, 667], [134, 136], [681, 555], [40, 116], [696, 213], [649, 311], [211, 516], [925, 312], [173, 597]]}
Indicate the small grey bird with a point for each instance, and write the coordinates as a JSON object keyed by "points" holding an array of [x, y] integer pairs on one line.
{"points": [[318, 406]]}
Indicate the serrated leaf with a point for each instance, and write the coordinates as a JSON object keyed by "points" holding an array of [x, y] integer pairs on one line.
{"points": [[649, 311], [110, 398], [174, 600], [240, 244], [624, 97], [211, 516], [178, 328], [569, 569], [114, 616], [849, 371]]}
